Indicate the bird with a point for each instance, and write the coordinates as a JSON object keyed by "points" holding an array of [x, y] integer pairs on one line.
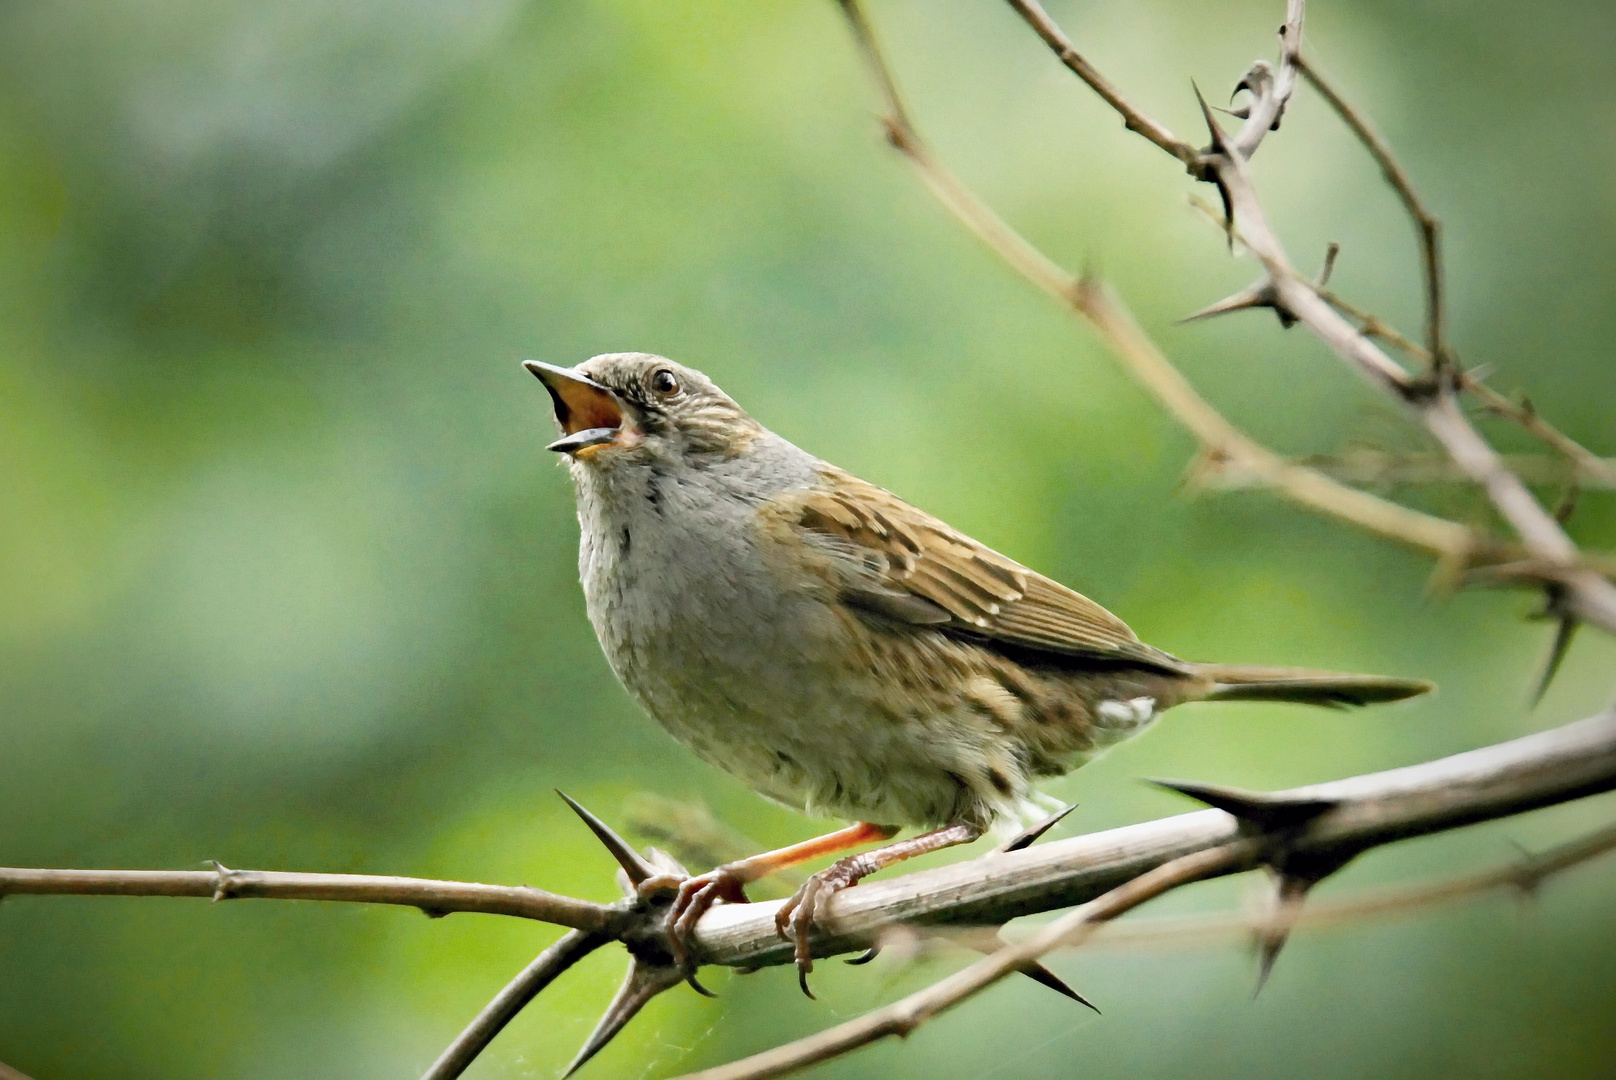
{"points": [[837, 649]]}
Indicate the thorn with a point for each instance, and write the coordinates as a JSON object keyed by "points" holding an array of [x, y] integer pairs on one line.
{"points": [[1568, 503], [1563, 633], [633, 865], [1035, 971], [641, 984], [1040, 974], [864, 957], [1255, 296], [221, 888], [1253, 807], [1029, 836], [1220, 141], [1330, 254], [1290, 892]]}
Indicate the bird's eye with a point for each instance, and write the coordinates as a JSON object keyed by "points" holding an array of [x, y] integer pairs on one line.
{"points": [[664, 383]]}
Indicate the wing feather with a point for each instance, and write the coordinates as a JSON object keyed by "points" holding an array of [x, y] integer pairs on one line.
{"points": [[905, 564]]}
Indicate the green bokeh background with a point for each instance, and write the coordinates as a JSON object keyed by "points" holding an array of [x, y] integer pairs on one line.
{"points": [[287, 579]]}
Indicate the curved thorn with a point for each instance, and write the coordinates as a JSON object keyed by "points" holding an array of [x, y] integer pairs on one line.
{"points": [[1029, 836], [1255, 807], [640, 985], [1564, 632], [630, 860]]}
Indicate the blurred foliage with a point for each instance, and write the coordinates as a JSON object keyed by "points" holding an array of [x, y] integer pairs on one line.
{"points": [[287, 579]]}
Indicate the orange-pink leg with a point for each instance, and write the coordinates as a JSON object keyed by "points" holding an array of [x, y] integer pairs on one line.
{"points": [[694, 895], [795, 918]]}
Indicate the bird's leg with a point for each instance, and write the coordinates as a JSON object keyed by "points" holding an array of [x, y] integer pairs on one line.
{"points": [[694, 895], [795, 918]]}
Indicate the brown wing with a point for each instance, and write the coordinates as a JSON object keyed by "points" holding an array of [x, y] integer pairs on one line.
{"points": [[909, 566]]}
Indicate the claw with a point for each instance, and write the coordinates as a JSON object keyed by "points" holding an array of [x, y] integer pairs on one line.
{"points": [[695, 895]]}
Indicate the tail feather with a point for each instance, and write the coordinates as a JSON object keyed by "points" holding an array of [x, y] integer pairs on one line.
{"points": [[1238, 682]]}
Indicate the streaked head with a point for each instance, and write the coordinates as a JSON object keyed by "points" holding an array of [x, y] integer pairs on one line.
{"points": [[626, 408]]}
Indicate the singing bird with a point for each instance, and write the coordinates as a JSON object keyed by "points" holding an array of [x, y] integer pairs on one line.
{"points": [[837, 649]]}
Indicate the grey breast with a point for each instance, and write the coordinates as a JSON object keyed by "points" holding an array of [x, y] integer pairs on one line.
{"points": [[692, 616]]}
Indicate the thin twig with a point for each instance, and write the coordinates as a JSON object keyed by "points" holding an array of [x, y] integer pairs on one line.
{"points": [[1222, 444], [1370, 466], [223, 883], [1589, 596], [1426, 225], [1132, 118], [545, 969], [1522, 877], [1597, 471]]}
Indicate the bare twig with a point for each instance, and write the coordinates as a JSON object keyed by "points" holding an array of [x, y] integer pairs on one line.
{"points": [[1425, 222], [1594, 470], [545, 969], [8, 1073], [1132, 118], [1369, 466], [222, 883], [1223, 446]]}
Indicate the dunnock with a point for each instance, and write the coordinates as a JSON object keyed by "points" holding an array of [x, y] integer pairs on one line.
{"points": [[837, 649]]}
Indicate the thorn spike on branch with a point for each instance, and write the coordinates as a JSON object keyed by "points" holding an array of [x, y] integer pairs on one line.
{"points": [[1290, 892], [642, 983], [1029, 836], [1255, 296], [1254, 807], [1041, 975], [1563, 633], [633, 864]]}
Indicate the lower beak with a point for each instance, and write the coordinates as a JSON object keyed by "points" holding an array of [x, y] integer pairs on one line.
{"points": [[589, 413], [583, 440]]}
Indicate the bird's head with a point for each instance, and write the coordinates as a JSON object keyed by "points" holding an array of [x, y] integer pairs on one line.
{"points": [[623, 409]]}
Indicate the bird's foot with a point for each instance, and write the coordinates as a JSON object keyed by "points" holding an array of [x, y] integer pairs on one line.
{"points": [[692, 896], [795, 919]]}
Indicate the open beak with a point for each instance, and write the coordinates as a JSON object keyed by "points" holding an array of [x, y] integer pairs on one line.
{"points": [[589, 414]]}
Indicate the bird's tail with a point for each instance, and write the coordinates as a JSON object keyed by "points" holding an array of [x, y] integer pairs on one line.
{"points": [[1239, 682]]}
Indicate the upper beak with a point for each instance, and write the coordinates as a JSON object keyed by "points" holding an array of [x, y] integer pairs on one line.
{"points": [[589, 413]]}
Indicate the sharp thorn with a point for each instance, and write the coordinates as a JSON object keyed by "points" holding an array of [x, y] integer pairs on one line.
{"points": [[1038, 973], [1220, 141], [1563, 633], [1254, 297], [1256, 807], [1034, 970], [640, 985], [1330, 254], [1029, 836], [630, 860], [864, 957], [1289, 894]]}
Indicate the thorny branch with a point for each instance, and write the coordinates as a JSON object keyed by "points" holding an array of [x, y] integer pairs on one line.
{"points": [[1325, 824], [1299, 836]]}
